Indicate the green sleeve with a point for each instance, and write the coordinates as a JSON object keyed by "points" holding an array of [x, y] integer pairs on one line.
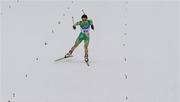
{"points": [[91, 22]]}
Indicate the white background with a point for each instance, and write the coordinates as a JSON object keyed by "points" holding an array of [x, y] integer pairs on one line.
{"points": [[151, 50]]}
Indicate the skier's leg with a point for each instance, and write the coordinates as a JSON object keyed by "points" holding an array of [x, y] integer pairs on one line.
{"points": [[86, 43], [86, 49], [77, 42]]}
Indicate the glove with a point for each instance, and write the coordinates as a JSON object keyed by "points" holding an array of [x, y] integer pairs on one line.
{"points": [[92, 27], [74, 27]]}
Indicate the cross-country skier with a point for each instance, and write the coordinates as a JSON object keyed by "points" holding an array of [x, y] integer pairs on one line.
{"points": [[85, 25]]}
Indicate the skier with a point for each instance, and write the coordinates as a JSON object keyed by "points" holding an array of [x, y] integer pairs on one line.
{"points": [[85, 25]]}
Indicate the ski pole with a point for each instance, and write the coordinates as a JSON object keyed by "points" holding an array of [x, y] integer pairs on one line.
{"points": [[73, 23], [73, 20], [83, 11]]}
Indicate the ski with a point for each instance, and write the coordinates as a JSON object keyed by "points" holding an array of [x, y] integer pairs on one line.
{"points": [[87, 63], [61, 58]]}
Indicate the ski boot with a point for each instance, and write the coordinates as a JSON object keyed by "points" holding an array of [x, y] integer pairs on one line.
{"points": [[68, 55], [86, 59]]}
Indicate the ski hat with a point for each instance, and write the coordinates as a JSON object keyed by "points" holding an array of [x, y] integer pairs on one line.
{"points": [[84, 16]]}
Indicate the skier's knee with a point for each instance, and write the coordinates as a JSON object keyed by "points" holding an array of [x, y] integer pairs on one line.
{"points": [[85, 46]]}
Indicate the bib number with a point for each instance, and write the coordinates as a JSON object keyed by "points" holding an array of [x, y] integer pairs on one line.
{"points": [[85, 30]]}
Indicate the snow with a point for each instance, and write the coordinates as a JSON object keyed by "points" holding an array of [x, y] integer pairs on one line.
{"points": [[133, 52]]}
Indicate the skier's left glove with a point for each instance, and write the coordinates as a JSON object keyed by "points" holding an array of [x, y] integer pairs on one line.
{"points": [[74, 27], [92, 27]]}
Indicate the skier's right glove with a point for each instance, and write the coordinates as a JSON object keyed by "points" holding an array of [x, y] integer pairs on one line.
{"points": [[74, 27], [92, 27]]}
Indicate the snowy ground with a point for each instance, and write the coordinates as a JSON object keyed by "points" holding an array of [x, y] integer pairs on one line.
{"points": [[133, 52]]}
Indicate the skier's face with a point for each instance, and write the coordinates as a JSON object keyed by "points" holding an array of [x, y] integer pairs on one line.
{"points": [[84, 19]]}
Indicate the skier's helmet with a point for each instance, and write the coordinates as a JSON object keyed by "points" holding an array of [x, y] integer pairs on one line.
{"points": [[84, 16]]}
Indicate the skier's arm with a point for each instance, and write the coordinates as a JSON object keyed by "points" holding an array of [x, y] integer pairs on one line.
{"points": [[74, 26]]}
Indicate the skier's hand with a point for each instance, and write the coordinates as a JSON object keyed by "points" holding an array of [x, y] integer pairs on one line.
{"points": [[92, 27], [74, 27]]}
